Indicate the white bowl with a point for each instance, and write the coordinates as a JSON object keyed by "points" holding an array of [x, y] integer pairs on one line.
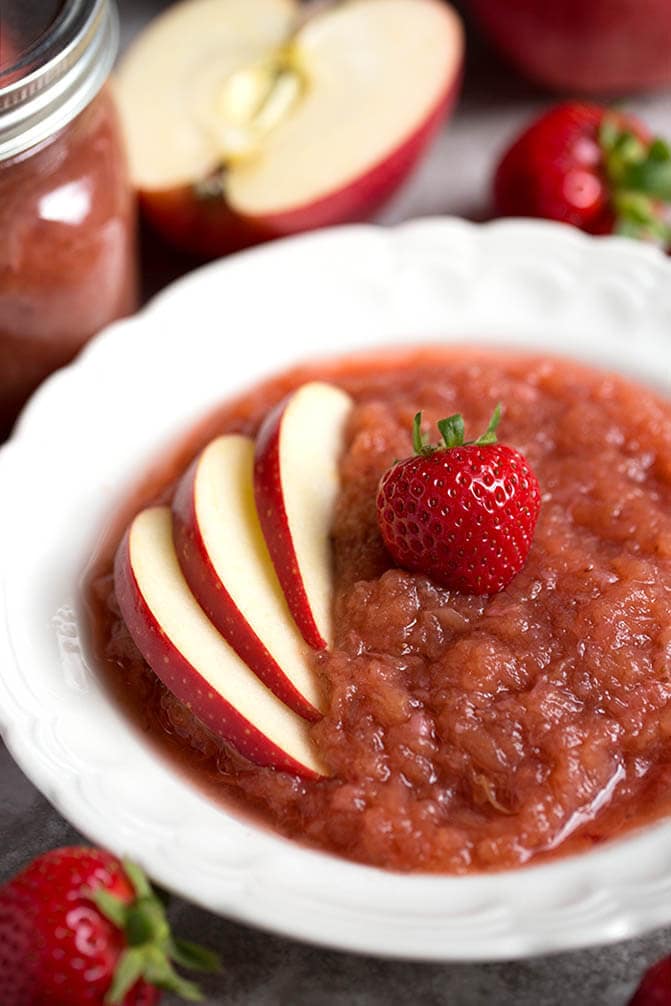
{"points": [[92, 428]]}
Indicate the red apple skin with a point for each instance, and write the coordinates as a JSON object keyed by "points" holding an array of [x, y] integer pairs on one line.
{"points": [[275, 525], [209, 227], [583, 46], [218, 604], [204, 227], [185, 682]]}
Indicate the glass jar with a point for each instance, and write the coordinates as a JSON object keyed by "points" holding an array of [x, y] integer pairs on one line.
{"points": [[68, 261]]}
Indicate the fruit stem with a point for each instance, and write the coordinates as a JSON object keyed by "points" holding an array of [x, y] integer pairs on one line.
{"points": [[639, 175], [452, 433], [150, 946]]}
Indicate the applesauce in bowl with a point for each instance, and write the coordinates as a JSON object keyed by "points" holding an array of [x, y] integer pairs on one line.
{"points": [[531, 288], [466, 733]]}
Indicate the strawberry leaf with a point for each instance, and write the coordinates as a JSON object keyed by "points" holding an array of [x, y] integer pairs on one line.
{"points": [[608, 133], [159, 971], [651, 176], [452, 430], [138, 879], [659, 150], [639, 217], [452, 433], [419, 441], [150, 945], [110, 906], [489, 436], [194, 957], [146, 922], [640, 182], [128, 972]]}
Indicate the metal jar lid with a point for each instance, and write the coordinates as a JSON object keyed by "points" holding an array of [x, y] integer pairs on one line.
{"points": [[65, 71]]}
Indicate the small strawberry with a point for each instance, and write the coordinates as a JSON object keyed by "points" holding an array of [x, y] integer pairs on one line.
{"points": [[655, 987], [462, 513], [77, 927], [592, 167]]}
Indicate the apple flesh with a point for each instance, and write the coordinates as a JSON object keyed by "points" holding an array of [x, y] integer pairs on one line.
{"points": [[590, 46], [193, 660], [296, 483], [225, 561], [242, 127]]}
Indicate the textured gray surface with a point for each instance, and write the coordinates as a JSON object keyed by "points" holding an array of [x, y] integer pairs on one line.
{"points": [[262, 970]]}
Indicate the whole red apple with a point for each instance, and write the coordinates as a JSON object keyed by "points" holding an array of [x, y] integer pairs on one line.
{"points": [[588, 46]]}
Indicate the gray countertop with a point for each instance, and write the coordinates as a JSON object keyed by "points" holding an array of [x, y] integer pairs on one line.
{"points": [[263, 970]]}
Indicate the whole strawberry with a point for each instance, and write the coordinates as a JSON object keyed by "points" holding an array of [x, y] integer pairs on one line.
{"points": [[586, 165], [79, 927], [462, 513], [655, 987]]}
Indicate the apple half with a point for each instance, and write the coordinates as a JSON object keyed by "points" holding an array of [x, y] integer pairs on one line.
{"points": [[296, 483], [193, 660], [247, 121], [225, 560]]}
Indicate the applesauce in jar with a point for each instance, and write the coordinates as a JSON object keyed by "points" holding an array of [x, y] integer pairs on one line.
{"points": [[463, 733], [67, 214]]}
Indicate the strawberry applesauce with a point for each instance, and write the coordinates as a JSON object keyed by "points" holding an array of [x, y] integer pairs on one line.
{"points": [[465, 733]]}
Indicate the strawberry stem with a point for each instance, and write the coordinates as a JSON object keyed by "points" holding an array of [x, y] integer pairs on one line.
{"points": [[151, 948], [640, 182], [452, 433]]}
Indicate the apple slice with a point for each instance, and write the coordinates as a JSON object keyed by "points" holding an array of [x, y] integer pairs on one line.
{"points": [[296, 483], [245, 121], [192, 658], [226, 563]]}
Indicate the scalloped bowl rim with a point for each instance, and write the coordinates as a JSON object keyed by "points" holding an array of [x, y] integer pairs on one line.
{"points": [[531, 283]]}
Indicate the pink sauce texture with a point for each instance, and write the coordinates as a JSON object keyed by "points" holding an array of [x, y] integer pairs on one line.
{"points": [[67, 250], [466, 733]]}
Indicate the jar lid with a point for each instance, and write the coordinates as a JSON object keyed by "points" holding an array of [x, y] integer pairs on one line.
{"points": [[50, 83]]}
